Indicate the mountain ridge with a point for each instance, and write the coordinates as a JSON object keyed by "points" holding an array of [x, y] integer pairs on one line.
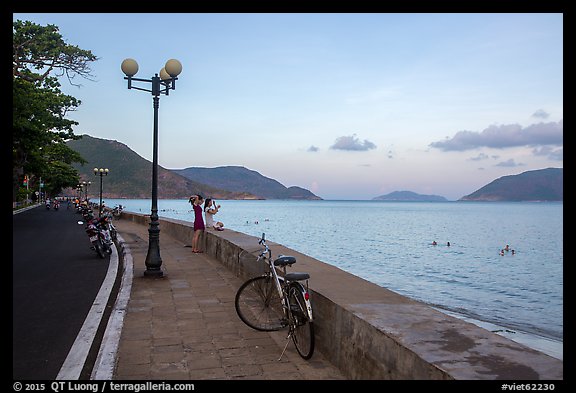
{"points": [[130, 175], [242, 179], [409, 196], [535, 185]]}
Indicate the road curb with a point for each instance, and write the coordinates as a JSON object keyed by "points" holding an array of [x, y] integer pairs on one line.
{"points": [[24, 209], [106, 359], [74, 363]]}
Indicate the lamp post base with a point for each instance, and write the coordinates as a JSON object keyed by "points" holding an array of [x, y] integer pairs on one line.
{"points": [[153, 259], [153, 273], [153, 263]]}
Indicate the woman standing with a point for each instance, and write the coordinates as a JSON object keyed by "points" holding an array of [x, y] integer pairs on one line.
{"points": [[196, 201]]}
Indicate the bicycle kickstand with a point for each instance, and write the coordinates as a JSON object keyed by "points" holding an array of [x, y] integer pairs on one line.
{"points": [[285, 346]]}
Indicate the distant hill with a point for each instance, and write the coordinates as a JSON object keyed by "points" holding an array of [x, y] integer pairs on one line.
{"points": [[240, 179], [538, 185], [131, 175], [409, 196]]}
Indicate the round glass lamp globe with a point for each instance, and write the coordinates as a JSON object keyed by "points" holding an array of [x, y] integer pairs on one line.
{"points": [[129, 67], [164, 75], [173, 67]]}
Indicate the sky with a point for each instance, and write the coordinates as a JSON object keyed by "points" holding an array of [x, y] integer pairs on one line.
{"points": [[347, 105]]}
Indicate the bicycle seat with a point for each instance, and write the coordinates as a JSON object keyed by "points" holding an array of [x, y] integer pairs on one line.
{"points": [[284, 260], [296, 276]]}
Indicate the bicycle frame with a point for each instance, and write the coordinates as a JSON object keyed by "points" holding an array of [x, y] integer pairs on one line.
{"points": [[258, 302], [282, 288]]}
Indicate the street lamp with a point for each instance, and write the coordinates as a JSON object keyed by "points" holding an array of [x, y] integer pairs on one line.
{"points": [[160, 85], [101, 172], [40, 190], [86, 184]]}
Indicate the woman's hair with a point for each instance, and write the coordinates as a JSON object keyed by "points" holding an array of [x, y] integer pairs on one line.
{"points": [[207, 203], [191, 200]]}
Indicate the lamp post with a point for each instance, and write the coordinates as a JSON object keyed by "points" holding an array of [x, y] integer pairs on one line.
{"points": [[159, 85], [101, 172], [86, 184]]}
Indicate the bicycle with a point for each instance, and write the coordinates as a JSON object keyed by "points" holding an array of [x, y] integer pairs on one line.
{"points": [[271, 302]]}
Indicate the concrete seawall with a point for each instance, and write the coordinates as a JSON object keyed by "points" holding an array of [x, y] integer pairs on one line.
{"points": [[370, 332]]}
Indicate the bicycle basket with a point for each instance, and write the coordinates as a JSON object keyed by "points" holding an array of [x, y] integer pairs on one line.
{"points": [[249, 264]]}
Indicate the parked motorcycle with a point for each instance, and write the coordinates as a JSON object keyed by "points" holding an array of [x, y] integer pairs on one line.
{"points": [[99, 234], [117, 211], [107, 241], [83, 208], [108, 222], [87, 213]]}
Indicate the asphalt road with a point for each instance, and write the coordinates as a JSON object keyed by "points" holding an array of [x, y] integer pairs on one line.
{"points": [[55, 279]]}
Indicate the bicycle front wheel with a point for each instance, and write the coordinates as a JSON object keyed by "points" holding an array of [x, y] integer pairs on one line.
{"points": [[259, 306], [303, 328]]}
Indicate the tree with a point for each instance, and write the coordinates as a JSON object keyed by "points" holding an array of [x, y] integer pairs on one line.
{"points": [[40, 127]]}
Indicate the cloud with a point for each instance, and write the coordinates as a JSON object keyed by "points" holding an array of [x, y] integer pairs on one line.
{"points": [[313, 148], [504, 136], [508, 163], [352, 143], [549, 152], [479, 157], [541, 113]]}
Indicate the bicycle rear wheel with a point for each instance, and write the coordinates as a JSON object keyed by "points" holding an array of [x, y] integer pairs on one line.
{"points": [[259, 306], [303, 328]]}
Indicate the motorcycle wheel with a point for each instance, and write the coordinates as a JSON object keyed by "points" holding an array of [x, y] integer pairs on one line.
{"points": [[99, 249]]}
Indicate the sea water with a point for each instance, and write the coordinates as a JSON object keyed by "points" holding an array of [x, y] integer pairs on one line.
{"points": [[517, 293]]}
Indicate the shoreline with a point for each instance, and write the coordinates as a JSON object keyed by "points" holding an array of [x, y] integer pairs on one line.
{"points": [[543, 344]]}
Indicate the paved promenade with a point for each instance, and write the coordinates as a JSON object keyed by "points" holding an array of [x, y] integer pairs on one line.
{"points": [[184, 326]]}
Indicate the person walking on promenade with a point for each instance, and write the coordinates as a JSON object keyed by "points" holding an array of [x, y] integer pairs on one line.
{"points": [[196, 201]]}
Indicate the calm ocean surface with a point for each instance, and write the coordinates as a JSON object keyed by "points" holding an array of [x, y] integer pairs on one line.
{"points": [[389, 243]]}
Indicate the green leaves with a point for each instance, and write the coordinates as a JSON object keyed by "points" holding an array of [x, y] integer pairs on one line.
{"points": [[40, 125]]}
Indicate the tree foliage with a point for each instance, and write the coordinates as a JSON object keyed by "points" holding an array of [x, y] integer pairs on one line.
{"points": [[40, 125]]}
